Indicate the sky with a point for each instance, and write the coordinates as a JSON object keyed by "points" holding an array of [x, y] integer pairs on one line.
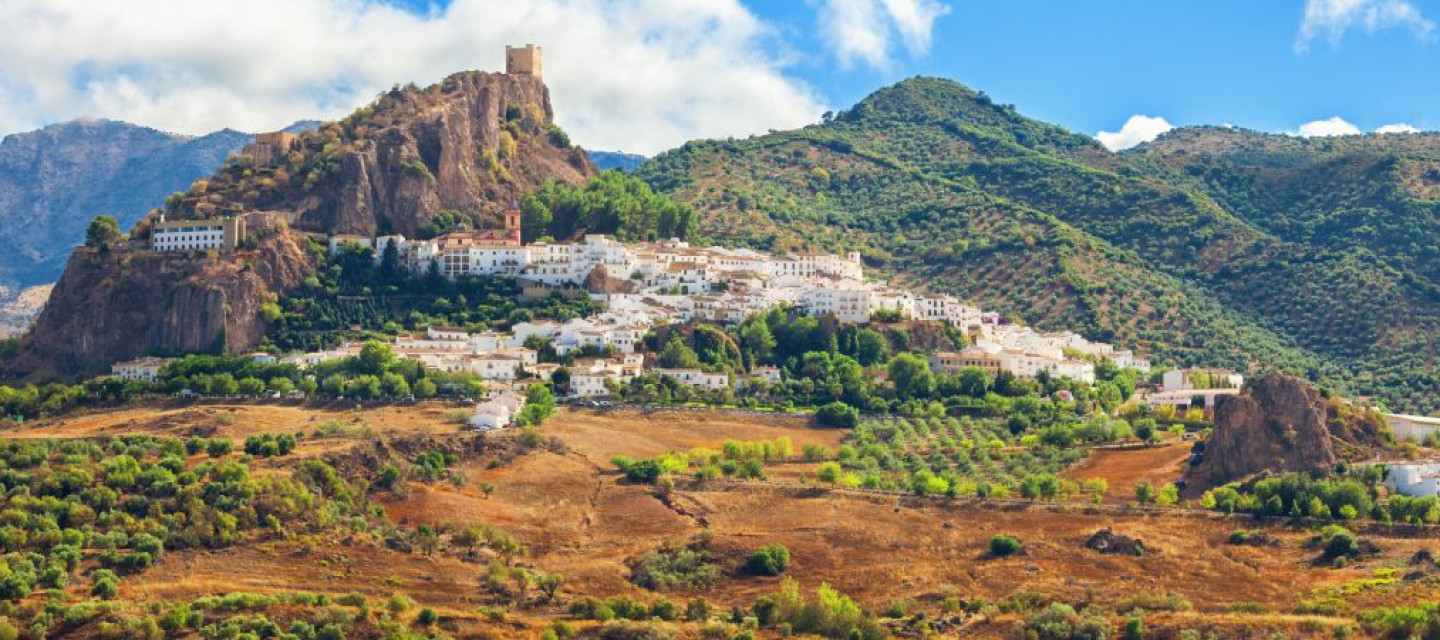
{"points": [[647, 75]]}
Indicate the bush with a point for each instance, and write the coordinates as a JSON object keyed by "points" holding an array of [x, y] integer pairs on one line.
{"points": [[671, 568], [837, 414], [427, 616], [1135, 629], [1002, 545], [769, 560]]}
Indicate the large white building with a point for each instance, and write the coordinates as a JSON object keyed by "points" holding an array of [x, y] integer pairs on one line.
{"points": [[1412, 428], [143, 369], [197, 235]]}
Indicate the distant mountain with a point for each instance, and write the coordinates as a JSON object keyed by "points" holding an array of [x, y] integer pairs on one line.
{"points": [[604, 160], [1208, 246], [18, 308], [54, 180]]}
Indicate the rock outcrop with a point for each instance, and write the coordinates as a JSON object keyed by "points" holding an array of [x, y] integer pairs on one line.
{"points": [[473, 144], [121, 304], [1281, 424], [1106, 541]]}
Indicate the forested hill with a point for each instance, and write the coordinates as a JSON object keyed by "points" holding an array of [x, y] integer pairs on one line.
{"points": [[1210, 246]]}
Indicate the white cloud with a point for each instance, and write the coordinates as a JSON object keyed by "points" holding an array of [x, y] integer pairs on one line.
{"points": [[1335, 126], [865, 30], [1331, 19], [1398, 127], [1136, 130], [635, 75]]}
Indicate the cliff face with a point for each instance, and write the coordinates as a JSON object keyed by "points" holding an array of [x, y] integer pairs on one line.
{"points": [[470, 144], [116, 305]]}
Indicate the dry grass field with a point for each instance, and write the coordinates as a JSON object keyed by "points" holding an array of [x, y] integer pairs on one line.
{"points": [[578, 517]]}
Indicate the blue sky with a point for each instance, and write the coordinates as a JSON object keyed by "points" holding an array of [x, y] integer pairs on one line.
{"points": [[1091, 65], [647, 75]]}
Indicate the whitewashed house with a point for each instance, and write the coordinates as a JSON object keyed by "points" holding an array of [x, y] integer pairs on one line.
{"points": [[1414, 478]]}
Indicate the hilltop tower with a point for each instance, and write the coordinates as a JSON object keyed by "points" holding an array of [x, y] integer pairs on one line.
{"points": [[270, 148], [524, 61]]}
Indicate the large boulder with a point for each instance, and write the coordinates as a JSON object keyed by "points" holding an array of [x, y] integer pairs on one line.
{"points": [[1276, 424]]}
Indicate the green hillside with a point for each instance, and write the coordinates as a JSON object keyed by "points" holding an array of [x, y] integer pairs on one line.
{"points": [[946, 190]]}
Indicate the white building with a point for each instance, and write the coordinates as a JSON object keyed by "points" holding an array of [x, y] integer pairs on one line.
{"points": [[589, 378], [145, 369], [1414, 478], [498, 411], [1412, 428], [1183, 379], [1187, 398], [695, 378], [197, 235]]}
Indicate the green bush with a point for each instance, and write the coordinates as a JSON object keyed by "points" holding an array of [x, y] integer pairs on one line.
{"points": [[769, 560], [1002, 545]]}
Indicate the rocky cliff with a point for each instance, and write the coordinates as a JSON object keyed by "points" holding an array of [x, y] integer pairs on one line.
{"points": [[1281, 424], [120, 304], [471, 145], [461, 150], [465, 148]]}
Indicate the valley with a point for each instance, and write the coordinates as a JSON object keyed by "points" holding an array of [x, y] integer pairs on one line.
{"points": [[576, 516]]}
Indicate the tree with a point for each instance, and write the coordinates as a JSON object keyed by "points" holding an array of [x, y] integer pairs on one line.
{"points": [[829, 472], [757, 341], [870, 347], [424, 388], [104, 231], [677, 355], [281, 385], [972, 381], [375, 358], [251, 387], [837, 414], [394, 385], [1144, 492], [334, 385], [911, 376]]}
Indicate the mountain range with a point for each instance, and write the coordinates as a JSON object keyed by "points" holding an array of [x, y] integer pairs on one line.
{"points": [[54, 180], [1210, 245]]}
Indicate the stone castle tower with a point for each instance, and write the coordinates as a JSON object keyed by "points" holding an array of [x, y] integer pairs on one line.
{"points": [[524, 60]]}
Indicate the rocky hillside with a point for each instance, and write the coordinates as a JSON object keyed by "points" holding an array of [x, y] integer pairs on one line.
{"points": [[944, 188], [54, 180], [456, 152]]}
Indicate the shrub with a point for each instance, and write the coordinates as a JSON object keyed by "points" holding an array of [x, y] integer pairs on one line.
{"points": [[1002, 545], [837, 414], [769, 560], [427, 616], [671, 568], [1135, 629]]}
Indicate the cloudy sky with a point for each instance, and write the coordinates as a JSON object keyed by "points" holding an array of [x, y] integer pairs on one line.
{"points": [[646, 75]]}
